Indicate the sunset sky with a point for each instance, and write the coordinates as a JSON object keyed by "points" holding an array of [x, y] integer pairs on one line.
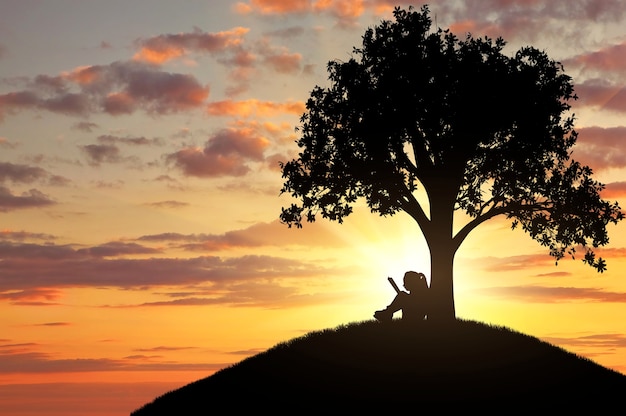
{"points": [[140, 247]]}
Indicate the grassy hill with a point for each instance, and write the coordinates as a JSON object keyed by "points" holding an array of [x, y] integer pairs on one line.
{"points": [[374, 367]]}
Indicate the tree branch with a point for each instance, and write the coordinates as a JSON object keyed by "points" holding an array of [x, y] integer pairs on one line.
{"points": [[493, 212], [412, 207]]}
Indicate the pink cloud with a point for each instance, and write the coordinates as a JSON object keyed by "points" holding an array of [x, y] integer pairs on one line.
{"points": [[162, 48], [119, 88], [611, 58], [241, 59], [226, 153], [85, 75], [507, 13], [14, 101], [480, 28], [119, 103], [163, 92], [600, 147], [195, 161], [344, 11], [615, 190], [284, 63], [247, 108], [525, 20], [279, 58], [602, 94], [507, 10], [274, 6], [274, 161]]}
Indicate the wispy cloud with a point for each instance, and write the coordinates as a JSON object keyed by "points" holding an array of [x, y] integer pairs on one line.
{"points": [[517, 262], [116, 249], [133, 141], [27, 266], [605, 342], [24, 235], [33, 361], [547, 294], [170, 204], [257, 235], [271, 295], [7, 144], [164, 349]]}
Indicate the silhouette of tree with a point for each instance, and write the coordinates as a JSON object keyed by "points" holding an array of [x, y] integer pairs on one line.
{"points": [[481, 132]]}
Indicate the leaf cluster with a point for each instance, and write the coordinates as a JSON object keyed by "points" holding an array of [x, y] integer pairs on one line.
{"points": [[481, 131]]}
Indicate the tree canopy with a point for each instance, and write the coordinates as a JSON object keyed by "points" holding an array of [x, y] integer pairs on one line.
{"points": [[480, 131]]}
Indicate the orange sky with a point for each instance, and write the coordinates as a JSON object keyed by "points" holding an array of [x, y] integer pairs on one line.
{"points": [[140, 247]]}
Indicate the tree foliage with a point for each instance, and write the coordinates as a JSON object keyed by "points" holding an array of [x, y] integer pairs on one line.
{"points": [[480, 131]]}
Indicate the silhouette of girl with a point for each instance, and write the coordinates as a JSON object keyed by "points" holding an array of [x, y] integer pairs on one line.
{"points": [[413, 304]]}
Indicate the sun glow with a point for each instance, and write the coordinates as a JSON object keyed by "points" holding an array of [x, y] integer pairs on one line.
{"points": [[387, 247]]}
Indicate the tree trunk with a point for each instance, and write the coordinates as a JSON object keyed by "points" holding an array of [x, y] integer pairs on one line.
{"points": [[439, 237], [441, 283]]}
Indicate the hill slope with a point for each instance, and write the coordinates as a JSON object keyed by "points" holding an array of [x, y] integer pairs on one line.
{"points": [[369, 366]]}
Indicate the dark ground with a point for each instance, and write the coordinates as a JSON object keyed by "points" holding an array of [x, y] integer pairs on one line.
{"points": [[373, 367]]}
